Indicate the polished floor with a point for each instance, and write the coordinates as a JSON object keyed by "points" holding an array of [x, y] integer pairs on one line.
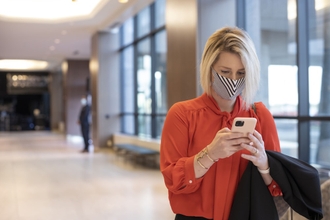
{"points": [[43, 176]]}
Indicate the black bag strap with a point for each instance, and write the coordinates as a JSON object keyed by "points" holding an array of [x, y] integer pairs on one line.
{"points": [[254, 107]]}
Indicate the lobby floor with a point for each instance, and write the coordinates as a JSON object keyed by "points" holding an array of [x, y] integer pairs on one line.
{"points": [[45, 177]]}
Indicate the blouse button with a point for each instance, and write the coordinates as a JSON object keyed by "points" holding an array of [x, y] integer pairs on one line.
{"points": [[274, 186], [190, 181]]}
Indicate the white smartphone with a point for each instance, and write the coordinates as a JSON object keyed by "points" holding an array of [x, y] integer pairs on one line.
{"points": [[244, 125]]}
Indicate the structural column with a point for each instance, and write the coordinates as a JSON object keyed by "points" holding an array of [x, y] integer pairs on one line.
{"points": [[181, 53], [75, 73], [56, 101], [105, 87]]}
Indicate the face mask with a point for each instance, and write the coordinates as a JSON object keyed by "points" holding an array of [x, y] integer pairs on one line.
{"points": [[227, 88], [83, 101]]}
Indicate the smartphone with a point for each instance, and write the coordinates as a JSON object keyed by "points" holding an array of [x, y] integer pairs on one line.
{"points": [[244, 125]]}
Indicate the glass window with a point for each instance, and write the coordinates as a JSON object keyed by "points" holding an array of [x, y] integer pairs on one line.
{"points": [[143, 22], [128, 125], [160, 72], [160, 123], [159, 13], [319, 56], [315, 84], [282, 101], [143, 72], [160, 80], [128, 32], [272, 27], [144, 83], [144, 122], [320, 143], [288, 135], [319, 80], [128, 92]]}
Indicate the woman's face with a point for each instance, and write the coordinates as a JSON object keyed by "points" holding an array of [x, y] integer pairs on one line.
{"points": [[229, 65]]}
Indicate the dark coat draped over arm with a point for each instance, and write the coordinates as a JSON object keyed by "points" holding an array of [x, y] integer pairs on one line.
{"points": [[299, 182]]}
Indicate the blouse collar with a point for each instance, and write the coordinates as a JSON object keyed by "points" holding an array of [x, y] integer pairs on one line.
{"points": [[212, 104]]}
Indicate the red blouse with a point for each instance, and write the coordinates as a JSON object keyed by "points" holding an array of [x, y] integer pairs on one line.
{"points": [[189, 127]]}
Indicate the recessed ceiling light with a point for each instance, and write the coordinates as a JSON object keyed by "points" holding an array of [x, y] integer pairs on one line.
{"points": [[122, 1], [8, 64], [57, 41]]}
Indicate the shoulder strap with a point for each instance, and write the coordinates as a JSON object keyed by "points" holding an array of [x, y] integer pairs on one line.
{"points": [[254, 107]]}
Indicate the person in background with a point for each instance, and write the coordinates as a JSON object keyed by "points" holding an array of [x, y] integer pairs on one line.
{"points": [[201, 160], [84, 123]]}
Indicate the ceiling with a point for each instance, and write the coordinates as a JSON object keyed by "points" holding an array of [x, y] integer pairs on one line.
{"points": [[56, 41]]}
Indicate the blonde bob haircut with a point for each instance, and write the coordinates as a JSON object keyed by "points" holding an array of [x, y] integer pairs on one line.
{"points": [[234, 40]]}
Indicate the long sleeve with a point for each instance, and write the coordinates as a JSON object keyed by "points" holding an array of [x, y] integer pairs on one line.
{"points": [[177, 167]]}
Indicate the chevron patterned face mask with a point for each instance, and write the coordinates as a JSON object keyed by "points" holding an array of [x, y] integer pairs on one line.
{"points": [[227, 88]]}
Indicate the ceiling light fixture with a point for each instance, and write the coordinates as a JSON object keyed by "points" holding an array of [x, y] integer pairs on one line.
{"points": [[47, 9], [123, 1], [26, 65]]}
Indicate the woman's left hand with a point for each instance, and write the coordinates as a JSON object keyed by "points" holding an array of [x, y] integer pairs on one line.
{"points": [[258, 155]]}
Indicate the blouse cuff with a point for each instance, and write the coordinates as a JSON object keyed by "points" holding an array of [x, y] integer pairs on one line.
{"points": [[274, 189], [190, 172]]}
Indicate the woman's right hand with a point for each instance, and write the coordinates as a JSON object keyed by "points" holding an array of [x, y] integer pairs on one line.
{"points": [[226, 143]]}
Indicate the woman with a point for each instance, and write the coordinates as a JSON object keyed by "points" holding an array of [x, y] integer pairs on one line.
{"points": [[200, 158]]}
